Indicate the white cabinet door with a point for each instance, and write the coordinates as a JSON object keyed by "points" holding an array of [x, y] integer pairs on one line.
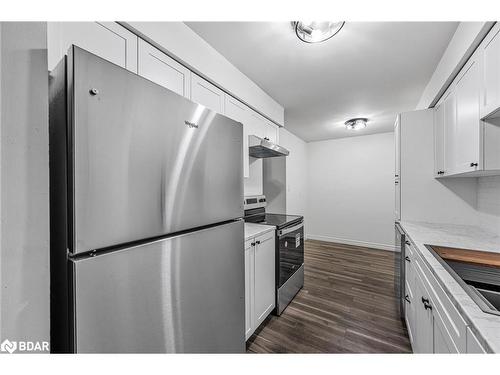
{"points": [[249, 288], [238, 111], [439, 141], [257, 125], [203, 92], [424, 335], [450, 116], [105, 39], [490, 80], [156, 66], [271, 132], [473, 344], [468, 126], [264, 276]]}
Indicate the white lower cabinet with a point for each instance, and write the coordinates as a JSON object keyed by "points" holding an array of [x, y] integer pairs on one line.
{"points": [[473, 344], [259, 280], [434, 324], [249, 288]]}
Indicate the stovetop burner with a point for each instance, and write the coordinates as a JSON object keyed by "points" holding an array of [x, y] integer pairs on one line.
{"points": [[278, 220]]}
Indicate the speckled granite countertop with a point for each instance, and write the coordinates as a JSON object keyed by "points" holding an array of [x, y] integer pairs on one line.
{"points": [[252, 229], [485, 326]]}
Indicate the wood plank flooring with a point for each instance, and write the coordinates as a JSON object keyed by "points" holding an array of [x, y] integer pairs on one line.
{"points": [[347, 305]]}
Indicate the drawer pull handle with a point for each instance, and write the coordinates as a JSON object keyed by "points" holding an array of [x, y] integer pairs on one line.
{"points": [[408, 243], [427, 306], [425, 300], [257, 242], [473, 164], [407, 258], [407, 299]]}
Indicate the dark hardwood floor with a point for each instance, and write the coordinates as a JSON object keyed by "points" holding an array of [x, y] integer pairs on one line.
{"points": [[347, 305]]}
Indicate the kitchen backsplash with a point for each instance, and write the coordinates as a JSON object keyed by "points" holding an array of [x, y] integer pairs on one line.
{"points": [[488, 202]]}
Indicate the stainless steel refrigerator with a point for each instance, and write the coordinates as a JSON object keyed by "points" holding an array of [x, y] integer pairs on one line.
{"points": [[147, 242]]}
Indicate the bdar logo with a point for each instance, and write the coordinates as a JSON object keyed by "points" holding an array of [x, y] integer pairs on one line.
{"points": [[8, 346]]}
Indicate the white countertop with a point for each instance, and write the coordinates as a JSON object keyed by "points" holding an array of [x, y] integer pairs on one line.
{"points": [[485, 326], [252, 229]]}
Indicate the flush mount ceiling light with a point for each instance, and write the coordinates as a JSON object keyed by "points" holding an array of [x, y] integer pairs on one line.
{"points": [[316, 31], [356, 123]]}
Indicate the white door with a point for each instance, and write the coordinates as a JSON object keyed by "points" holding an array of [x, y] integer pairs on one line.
{"points": [[264, 276], [490, 80], [238, 111], [156, 66], [203, 92], [450, 115], [439, 141], [468, 127], [249, 288], [105, 39]]}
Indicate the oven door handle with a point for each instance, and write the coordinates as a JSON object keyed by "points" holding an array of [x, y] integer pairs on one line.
{"points": [[281, 232]]}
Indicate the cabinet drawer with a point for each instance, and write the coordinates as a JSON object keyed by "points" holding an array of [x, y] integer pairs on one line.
{"points": [[454, 326]]}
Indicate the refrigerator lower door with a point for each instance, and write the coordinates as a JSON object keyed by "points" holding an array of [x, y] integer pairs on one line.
{"points": [[178, 295]]}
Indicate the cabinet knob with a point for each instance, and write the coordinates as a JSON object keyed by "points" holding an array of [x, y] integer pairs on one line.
{"points": [[257, 242], [425, 300], [427, 306], [474, 164], [253, 244], [408, 242], [266, 138], [407, 299], [440, 172], [396, 182]]}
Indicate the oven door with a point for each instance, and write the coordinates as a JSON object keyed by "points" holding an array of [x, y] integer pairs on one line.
{"points": [[290, 252]]}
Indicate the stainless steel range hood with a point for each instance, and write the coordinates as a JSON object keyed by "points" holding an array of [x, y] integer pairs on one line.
{"points": [[263, 148]]}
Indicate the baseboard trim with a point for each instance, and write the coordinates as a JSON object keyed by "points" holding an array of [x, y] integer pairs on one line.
{"points": [[375, 245]]}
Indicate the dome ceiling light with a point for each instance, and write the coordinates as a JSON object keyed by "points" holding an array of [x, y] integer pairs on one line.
{"points": [[316, 31], [356, 123]]}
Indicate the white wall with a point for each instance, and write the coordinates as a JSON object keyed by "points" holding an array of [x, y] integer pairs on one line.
{"points": [[296, 173], [488, 203], [351, 190], [463, 43], [253, 183], [183, 44], [24, 170]]}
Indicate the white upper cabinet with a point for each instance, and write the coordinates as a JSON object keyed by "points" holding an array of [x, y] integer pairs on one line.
{"points": [[203, 92], [439, 141], [468, 123], [156, 66], [490, 80], [108, 40], [449, 132], [240, 112]]}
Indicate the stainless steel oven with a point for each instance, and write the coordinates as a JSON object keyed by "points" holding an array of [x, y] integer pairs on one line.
{"points": [[289, 248]]}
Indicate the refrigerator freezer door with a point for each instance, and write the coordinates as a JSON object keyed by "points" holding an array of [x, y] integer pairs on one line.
{"points": [[146, 161], [185, 294]]}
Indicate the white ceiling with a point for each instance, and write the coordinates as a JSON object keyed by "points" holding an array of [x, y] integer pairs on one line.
{"points": [[369, 69]]}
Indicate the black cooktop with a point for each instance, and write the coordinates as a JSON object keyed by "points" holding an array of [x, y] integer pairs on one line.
{"points": [[278, 220]]}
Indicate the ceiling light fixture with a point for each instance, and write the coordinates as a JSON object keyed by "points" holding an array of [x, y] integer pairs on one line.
{"points": [[316, 31], [356, 123]]}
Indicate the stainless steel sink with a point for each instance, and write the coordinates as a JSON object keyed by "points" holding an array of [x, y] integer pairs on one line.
{"points": [[480, 282]]}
